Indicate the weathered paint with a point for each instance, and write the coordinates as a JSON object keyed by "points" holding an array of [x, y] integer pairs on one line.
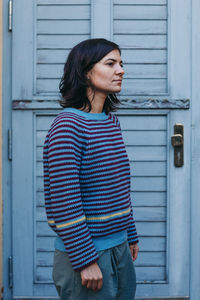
{"points": [[150, 103]]}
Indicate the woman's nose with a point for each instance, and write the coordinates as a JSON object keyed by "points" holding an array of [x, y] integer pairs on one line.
{"points": [[120, 70]]}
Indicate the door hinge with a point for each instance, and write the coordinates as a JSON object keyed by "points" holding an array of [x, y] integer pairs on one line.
{"points": [[10, 144], [10, 271], [10, 13]]}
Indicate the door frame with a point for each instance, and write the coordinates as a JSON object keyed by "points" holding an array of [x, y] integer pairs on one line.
{"points": [[195, 155], [6, 163]]}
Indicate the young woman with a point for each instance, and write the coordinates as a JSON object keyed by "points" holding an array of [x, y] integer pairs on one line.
{"points": [[87, 180]]}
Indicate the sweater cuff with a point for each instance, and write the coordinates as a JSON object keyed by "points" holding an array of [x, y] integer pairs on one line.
{"points": [[86, 265], [82, 254], [133, 243], [132, 235]]}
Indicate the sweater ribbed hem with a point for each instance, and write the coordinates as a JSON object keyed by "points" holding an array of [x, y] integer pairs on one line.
{"points": [[100, 243]]}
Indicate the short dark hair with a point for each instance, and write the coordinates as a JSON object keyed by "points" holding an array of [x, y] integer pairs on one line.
{"points": [[74, 83]]}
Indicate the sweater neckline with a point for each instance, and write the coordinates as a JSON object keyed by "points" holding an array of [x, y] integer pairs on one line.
{"points": [[87, 115]]}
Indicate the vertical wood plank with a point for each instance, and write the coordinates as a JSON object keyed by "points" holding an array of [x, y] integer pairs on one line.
{"points": [[23, 49], [179, 13], [179, 26], [179, 212], [22, 203], [6, 123], [195, 156], [102, 19]]}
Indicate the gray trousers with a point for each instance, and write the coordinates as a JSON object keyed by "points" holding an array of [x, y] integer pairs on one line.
{"points": [[119, 280]]}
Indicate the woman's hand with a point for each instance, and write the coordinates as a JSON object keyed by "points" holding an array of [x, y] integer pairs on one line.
{"points": [[134, 251], [92, 277]]}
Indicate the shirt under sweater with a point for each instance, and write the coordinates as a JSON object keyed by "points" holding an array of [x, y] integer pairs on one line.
{"points": [[87, 184]]}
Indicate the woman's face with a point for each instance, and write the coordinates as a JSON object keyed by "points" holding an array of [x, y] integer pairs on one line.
{"points": [[106, 75]]}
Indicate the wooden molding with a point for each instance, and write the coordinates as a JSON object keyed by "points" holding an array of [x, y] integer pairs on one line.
{"points": [[150, 103]]}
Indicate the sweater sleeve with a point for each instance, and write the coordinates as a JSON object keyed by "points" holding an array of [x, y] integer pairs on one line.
{"points": [[62, 159], [131, 232]]}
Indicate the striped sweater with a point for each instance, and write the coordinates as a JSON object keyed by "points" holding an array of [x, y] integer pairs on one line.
{"points": [[86, 182]]}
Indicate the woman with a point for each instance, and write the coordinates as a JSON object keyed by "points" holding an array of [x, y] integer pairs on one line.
{"points": [[87, 180]]}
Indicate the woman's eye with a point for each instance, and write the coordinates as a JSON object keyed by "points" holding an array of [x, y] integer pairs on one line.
{"points": [[110, 64]]}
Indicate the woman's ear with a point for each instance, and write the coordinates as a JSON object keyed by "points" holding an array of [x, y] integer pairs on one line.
{"points": [[89, 74]]}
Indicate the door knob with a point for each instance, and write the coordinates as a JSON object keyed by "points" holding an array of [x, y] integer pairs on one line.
{"points": [[177, 141]]}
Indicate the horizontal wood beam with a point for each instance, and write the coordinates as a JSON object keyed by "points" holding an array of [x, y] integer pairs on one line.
{"points": [[149, 103]]}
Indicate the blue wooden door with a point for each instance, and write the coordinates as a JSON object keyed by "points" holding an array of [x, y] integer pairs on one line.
{"points": [[155, 96]]}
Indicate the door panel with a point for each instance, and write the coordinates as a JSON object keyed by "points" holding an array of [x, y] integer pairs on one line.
{"points": [[142, 28]]}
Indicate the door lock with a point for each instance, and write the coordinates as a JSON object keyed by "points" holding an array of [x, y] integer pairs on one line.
{"points": [[178, 142]]}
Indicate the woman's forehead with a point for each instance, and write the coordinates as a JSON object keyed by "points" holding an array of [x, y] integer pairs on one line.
{"points": [[115, 54]]}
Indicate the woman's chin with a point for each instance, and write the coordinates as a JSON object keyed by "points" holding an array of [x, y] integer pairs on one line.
{"points": [[118, 90], [115, 90]]}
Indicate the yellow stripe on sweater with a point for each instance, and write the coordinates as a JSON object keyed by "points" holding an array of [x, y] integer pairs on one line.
{"points": [[109, 216], [51, 221], [90, 219], [69, 223]]}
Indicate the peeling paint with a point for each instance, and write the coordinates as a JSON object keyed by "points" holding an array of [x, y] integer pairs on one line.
{"points": [[156, 103], [149, 103], [21, 104]]}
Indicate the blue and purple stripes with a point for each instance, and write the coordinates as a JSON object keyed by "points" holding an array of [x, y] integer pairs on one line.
{"points": [[86, 182]]}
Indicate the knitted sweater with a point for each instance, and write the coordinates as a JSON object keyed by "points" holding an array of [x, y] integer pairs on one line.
{"points": [[86, 182]]}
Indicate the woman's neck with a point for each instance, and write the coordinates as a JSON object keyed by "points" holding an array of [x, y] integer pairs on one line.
{"points": [[97, 100]]}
